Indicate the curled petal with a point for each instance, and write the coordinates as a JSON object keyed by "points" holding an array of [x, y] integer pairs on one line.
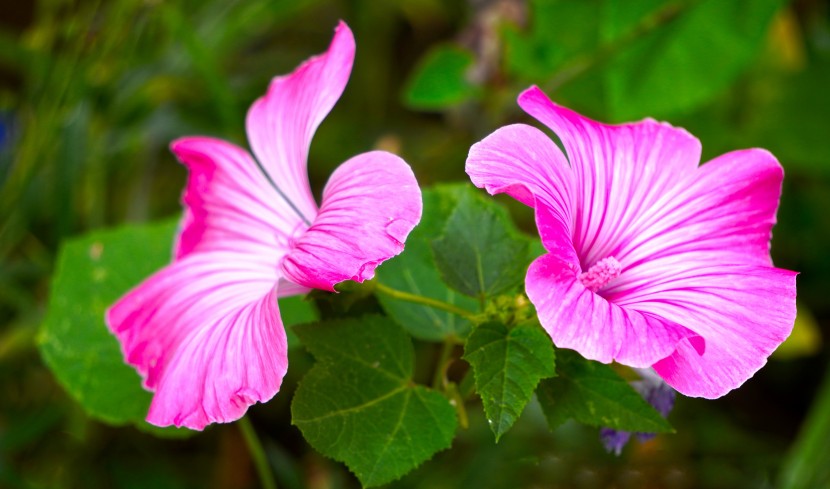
{"points": [[622, 173], [370, 205], [743, 312], [523, 162], [229, 204], [205, 334], [582, 320], [281, 124]]}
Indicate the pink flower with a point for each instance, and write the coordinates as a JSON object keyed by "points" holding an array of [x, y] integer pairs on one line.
{"points": [[205, 332], [652, 260]]}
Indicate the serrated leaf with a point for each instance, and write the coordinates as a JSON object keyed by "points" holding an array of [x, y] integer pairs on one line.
{"points": [[508, 365], [92, 272], [480, 253], [592, 393], [440, 79], [359, 405], [414, 271]]}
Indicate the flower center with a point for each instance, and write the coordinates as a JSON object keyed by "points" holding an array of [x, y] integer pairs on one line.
{"points": [[601, 273]]}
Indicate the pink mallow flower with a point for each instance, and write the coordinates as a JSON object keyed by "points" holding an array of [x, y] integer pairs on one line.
{"points": [[652, 260], [205, 332]]}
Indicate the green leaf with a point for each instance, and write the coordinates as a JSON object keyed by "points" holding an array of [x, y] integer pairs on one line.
{"points": [[480, 253], [440, 79], [296, 310], [592, 393], [789, 117], [682, 56], [92, 272], [358, 404], [414, 271], [559, 32], [508, 364], [806, 465], [624, 60]]}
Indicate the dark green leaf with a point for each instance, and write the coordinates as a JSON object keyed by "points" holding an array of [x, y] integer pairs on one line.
{"points": [[592, 393], [480, 253], [92, 272], [806, 463], [559, 32], [296, 310], [414, 271], [508, 364], [358, 404], [683, 55], [790, 118], [440, 79]]}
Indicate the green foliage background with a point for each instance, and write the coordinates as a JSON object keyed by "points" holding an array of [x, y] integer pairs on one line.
{"points": [[92, 92]]}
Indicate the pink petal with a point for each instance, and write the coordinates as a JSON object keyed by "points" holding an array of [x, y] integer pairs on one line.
{"points": [[523, 162], [703, 261], [206, 335], [687, 247], [725, 213], [370, 205], [581, 320], [742, 311], [229, 204], [622, 174], [281, 124]]}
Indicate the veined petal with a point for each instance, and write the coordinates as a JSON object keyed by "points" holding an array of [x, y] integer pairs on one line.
{"points": [[370, 205], [704, 262], [229, 204], [581, 320], [524, 163], [205, 334], [280, 125], [743, 312], [725, 213], [622, 173]]}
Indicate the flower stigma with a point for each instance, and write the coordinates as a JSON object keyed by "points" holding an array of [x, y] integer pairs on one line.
{"points": [[601, 273]]}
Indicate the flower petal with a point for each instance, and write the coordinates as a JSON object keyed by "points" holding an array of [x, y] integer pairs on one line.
{"points": [[743, 312], [205, 334], [280, 125], [704, 263], [524, 163], [229, 204], [622, 173], [724, 215], [581, 320], [370, 205]]}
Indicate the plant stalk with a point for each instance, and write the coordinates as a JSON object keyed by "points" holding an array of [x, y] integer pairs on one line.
{"points": [[266, 475]]}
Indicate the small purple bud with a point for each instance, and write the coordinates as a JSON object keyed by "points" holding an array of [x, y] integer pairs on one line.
{"points": [[614, 440], [658, 393]]}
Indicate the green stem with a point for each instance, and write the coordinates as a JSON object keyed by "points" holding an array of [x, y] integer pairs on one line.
{"points": [[427, 301], [438, 378], [266, 476], [806, 464], [468, 385], [16, 340]]}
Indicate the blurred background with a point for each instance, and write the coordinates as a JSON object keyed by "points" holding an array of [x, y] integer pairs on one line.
{"points": [[91, 94]]}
